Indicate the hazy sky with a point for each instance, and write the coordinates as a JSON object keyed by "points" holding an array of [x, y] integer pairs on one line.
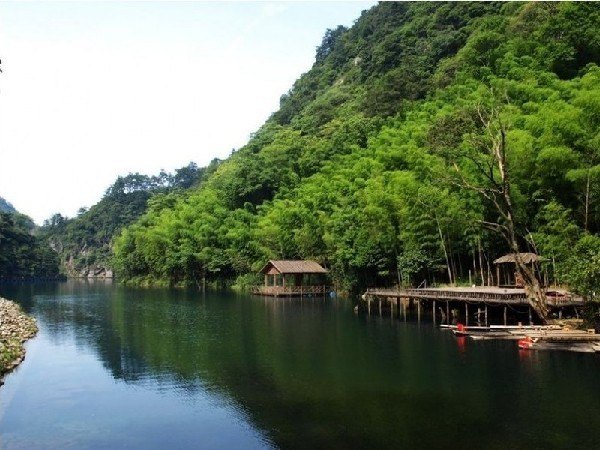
{"points": [[94, 90]]}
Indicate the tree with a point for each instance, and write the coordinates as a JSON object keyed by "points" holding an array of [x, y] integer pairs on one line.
{"points": [[485, 170]]}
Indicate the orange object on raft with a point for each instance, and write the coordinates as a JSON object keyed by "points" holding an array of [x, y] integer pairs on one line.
{"points": [[526, 343]]}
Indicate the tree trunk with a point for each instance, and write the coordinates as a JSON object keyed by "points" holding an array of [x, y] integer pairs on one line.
{"points": [[587, 200], [445, 251], [480, 261]]}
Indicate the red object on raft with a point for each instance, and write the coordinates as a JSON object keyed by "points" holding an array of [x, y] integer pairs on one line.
{"points": [[526, 343], [460, 327]]}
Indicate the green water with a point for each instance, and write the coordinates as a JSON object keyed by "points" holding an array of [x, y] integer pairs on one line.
{"points": [[114, 368]]}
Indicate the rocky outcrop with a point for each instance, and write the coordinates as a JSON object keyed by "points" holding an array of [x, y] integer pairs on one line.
{"points": [[15, 328], [95, 272], [92, 271]]}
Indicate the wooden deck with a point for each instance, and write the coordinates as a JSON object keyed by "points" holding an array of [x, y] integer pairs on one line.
{"points": [[290, 291], [481, 294]]}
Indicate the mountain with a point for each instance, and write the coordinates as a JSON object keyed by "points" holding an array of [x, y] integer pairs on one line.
{"points": [[6, 207], [83, 243], [377, 163]]}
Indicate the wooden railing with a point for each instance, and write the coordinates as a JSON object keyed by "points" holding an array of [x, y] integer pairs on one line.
{"points": [[282, 291]]}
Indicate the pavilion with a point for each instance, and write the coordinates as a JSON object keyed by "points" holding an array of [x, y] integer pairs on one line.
{"points": [[508, 276], [289, 278]]}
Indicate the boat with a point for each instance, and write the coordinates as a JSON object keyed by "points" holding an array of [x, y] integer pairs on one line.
{"points": [[512, 332]]}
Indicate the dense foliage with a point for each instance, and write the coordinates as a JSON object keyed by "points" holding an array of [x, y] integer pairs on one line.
{"points": [[23, 255], [366, 165], [84, 242]]}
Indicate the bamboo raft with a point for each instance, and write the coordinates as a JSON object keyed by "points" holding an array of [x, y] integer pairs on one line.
{"points": [[550, 337], [559, 335]]}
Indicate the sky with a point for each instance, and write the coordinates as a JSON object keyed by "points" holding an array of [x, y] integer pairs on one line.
{"points": [[93, 90]]}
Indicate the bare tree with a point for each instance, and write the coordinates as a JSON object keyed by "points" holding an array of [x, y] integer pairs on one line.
{"points": [[487, 154]]}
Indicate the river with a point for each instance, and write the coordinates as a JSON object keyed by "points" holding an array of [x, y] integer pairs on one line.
{"points": [[115, 367]]}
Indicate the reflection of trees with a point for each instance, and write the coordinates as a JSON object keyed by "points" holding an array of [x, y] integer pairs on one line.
{"points": [[307, 373], [298, 369]]}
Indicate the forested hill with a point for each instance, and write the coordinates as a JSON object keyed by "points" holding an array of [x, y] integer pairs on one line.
{"points": [[372, 164], [83, 243], [23, 255]]}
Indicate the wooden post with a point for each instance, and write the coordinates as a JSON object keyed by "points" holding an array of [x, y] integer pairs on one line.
{"points": [[486, 316], [470, 282], [266, 280], [398, 305], [419, 310], [369, 305], [391, 301], [478, 314], [433, 312], [505, 315], [530, 321], [466, 314], [497, 274], [379, 307], [448, 311]]}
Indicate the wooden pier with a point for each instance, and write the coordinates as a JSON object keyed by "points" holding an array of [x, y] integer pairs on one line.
{"points": [[448, 302], [483, 294]]}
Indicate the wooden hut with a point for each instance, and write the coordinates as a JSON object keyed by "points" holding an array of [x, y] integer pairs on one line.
{"points": [[506, 269], [293, 278]]}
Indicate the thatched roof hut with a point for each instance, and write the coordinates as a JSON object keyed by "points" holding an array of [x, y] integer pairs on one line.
{"points": [[510, 277], [527, 258], [283, 267], [293, 277]]}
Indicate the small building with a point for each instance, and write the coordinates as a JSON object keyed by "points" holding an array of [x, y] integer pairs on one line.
{"points": [[506, 269], [288, 278]]}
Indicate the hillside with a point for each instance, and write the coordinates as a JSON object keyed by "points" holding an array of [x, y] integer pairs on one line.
{"points": [[83, 243], [23, 255], [373, 163]]}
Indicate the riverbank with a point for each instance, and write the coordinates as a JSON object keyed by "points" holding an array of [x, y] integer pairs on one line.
{"points": [[15, 328]]}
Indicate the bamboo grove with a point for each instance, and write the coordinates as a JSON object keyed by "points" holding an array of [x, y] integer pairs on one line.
{"points": [[367, 164]]}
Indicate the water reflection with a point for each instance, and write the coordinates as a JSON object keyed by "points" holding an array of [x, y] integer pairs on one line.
{"points": [[290, 373]]}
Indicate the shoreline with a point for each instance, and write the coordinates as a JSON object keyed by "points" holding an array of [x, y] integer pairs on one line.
{"points": [[15, 329]]}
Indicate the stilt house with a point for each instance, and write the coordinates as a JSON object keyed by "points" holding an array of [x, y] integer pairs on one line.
{"points": [[293, 278]]}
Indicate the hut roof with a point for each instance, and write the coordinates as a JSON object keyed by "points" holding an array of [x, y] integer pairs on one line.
{"points": [[294, 266], [527, 258]]}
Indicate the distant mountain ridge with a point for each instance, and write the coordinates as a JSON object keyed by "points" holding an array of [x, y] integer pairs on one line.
{"points": [[6, 207], [83, 243]]}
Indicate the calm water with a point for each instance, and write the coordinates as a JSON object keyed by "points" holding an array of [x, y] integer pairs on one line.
{"points": [[114, 368]]}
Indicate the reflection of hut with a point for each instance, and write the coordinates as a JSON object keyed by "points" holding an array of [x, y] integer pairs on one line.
{"points": [[292, 278], [507, 274]]}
